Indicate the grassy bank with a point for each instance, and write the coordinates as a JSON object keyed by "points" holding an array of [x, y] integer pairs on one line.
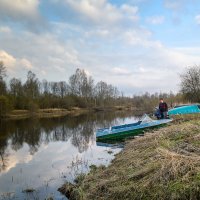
{"points": [[164, 164], [44, 113], [57, 112]]}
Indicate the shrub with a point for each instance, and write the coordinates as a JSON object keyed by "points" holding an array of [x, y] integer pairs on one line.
{"points": [[5, 106]]}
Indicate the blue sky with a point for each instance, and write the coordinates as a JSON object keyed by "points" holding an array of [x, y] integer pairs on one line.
{"points": [[136, 45]]}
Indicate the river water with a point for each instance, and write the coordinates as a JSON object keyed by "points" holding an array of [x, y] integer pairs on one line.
{"points": [[38, 155]]}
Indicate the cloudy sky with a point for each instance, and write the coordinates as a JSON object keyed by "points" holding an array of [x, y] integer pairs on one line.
{"points": [[136, 45]]}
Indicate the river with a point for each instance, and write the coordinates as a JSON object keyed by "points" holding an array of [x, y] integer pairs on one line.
{"points": [[38, 155]]}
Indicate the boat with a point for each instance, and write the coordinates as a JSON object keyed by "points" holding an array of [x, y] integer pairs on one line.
{"points": [[185, 109], [129, 130]]}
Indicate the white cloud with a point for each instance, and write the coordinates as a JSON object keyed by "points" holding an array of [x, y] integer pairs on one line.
{"points": [[14, 64], [112, 46], [131, 12], [179, 6], [132, 37], [189, 50], [197, 19], [149, 66], [19, 8], [88, 73], [102, 12], [44, 73], [148, 69], [171, 4], [99, 11], [140, 37], [120, 71], [22, 13], [155, 20], [98, 32], [5, 29], [26, 63], [8, 60], [59, 69], [72, 57], [56, 58]]}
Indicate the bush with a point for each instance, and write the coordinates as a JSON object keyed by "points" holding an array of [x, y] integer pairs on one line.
{"points": [[33, 107], [5, 106]]}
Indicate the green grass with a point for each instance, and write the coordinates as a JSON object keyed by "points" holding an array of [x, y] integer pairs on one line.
{"points": [[164, 164]]}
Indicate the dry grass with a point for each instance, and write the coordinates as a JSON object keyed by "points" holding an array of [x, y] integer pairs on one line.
{"points": [[17, 112], [164, 164], [45, 113]]}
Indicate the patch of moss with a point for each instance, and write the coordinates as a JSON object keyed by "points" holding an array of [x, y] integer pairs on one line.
{"points": [[79, 178]]}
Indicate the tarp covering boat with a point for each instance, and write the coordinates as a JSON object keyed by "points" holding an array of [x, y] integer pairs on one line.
{"points": [[185, 109]]}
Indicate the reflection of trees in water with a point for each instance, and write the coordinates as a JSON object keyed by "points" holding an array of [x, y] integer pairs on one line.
{"points": [[28, 132], [3, 155], [34, 132], [84, 132], [82, 135], [106, 119], [3, 160]]}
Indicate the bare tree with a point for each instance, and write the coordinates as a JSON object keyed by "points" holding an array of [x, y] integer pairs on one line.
{"points": [[2, 71], [32, 86], [2, 76], [45, 87], [190, 84], [16, 88], [81, 85], [105, 93], [62, 88]]}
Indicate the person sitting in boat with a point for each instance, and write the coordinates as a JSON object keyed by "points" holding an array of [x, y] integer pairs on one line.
{"points": [[157, 113], [163, 108]]}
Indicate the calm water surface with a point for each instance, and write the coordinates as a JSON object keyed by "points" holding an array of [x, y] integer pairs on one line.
{"points": [[42, 154]]}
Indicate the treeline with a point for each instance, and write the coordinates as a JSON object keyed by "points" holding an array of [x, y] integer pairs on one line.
{"points": [[147, 102], [79, 91], [82, 91]]}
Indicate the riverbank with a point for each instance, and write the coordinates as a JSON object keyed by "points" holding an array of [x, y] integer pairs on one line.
{"points": [[164, 164], [56, 112], [44, 113]]}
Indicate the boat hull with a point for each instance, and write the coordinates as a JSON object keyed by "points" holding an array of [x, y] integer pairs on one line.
{"points": [[122, 134]]}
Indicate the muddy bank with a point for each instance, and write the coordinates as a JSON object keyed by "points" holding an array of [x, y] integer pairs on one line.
{"points": [[164, 164]]}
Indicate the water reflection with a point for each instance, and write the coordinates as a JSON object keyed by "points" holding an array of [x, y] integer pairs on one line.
{"points": [[39, 147]]}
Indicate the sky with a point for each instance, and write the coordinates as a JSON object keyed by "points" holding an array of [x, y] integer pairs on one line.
{"points": [[136, 45]]}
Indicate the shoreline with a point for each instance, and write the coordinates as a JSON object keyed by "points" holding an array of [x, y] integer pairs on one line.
{"points": [[164, 164], [57, 112], [43, 113]]}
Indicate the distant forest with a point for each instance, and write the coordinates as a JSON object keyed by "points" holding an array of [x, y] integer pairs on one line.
{"points": [[79, 91]]}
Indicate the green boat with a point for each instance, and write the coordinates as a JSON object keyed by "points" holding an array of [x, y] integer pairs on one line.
{"points": [[185, 109], [128, 130]]}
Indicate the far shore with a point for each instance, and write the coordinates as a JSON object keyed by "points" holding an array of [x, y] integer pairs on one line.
{"points": [[57, 112]]}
